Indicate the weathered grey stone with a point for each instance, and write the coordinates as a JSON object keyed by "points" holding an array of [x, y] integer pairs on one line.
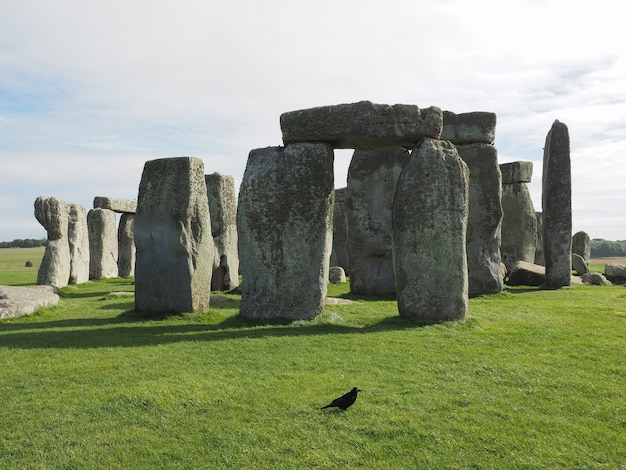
{"points": [[126, 245], [557, 207], [430, 214], [581, 245], [284, 220], [615, 272], [51, 212], [173, 239], [223, 209], [579, 265], [114, 204], [103, 250], [484, 220], [362, 125], [595, 279], [539, 246], [527, 274], [339, 255], [17, 301], [336, 275], [469, 128], [516, 172], [519, 224], [78, 239], [372, 178]]}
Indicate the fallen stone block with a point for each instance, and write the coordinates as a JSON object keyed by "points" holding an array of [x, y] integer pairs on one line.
{"points": [[17, 301]]}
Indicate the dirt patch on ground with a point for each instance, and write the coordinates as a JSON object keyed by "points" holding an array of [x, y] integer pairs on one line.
{"points": [[16, 301]]}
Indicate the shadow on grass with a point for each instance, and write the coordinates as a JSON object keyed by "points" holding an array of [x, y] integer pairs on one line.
{"points": [[133, 329]]}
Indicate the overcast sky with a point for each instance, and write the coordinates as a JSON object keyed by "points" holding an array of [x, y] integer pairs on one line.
{"points": [[91, 90]]}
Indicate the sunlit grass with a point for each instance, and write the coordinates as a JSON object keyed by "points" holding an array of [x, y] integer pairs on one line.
{"points": [[532, 379]]}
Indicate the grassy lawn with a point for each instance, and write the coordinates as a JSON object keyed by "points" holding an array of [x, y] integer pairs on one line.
{"points": [[533, 379], [12, 265]]}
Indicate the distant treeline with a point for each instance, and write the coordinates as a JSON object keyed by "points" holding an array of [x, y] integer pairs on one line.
{"points": [[605, 248], [26, 243]]}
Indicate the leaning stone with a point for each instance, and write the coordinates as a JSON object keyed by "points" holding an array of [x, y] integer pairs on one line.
{"points": [[485, 218], [557, 207], [103, 250], [579, 265], [581, 245], [527, 274], [223, 209], [173, 239], [429, 226], [469, 128], [596, 279], [336, 275], [372, 178], [516, 172], [615, 272], [51, 212], [519, 225], [339, 255], [362, 125], [78, 238], [17, 301], [284, 220], [116, 205], [126, 245]]}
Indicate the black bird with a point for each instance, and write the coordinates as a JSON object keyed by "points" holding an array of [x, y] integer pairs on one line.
{"points": [[344, 401]]}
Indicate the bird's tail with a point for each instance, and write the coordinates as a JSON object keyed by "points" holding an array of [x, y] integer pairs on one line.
{"points": [[323, 407]]}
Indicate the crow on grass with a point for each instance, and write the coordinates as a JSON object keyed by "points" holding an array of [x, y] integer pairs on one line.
{"points": [[344, 401]]}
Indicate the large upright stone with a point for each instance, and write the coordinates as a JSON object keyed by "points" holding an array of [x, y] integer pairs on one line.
{"points": [[372, 179], [223, 210], [173, 237], [581, 245], [430, 214], [557, 207], [126, 245], [339, 255], [123, 206], [284, 220], [519, 220], [103, 251], [78, 238], [485, 218], [362, 125], [51, 212], [469, 128]]}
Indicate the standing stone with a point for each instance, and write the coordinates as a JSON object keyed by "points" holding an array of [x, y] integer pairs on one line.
{"points": [[539, 246], [519, 221], [557, 207], [173, 237], [103, 252], [223, 210], [485, 218], [372, 179], [78, 238], [51, 212], [126, 245], [430, 215], [339, 255], [581, 245], [285, 230]]}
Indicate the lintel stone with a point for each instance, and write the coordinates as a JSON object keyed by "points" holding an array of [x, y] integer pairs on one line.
{"points": [[363, 125], [478, 127], [516, 172], [121, 206]]}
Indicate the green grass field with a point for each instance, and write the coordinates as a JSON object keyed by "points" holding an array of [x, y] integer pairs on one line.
{"points": [[532, 379], [12, 265]]}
